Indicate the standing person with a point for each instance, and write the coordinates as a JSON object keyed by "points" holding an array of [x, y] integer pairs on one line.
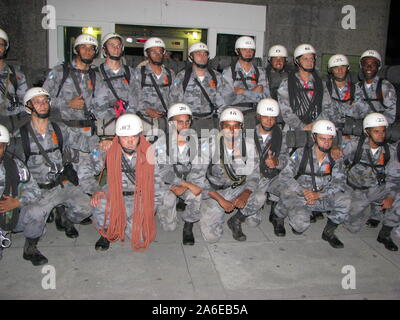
{"points": [[152, 82], [12, 82], [246, 83], [277, 69]]}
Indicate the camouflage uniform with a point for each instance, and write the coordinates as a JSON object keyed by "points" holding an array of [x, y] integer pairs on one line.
{"points": [[212, 214], [329, 107], [187, 169], [367, 191], [195, 99], [389, 100], [73, 197], [148, 99], [246, 101], [104, 100], [335, 195], [6, 108]]}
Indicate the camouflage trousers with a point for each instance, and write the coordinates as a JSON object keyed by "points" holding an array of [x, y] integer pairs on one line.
{"points": [[362, 199], [99, 215], [212, 216], [32, 220], [295, 207], [167, 214]]}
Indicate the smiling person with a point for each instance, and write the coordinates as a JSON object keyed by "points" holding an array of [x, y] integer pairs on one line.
{"points": [[378, 94]]}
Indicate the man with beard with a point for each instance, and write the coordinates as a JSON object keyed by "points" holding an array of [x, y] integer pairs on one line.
{"points": [[271, 147], [277, 68], [303, 97], [114, 94], [378, 94], [232, 179], [373, 174], [12, 82], [17, 186], [313, 181], [152, 84], [180, 172], [246, 83], [43, 144], [124, 207], [200, 87]]}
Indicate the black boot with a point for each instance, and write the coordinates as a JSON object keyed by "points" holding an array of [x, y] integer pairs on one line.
{"points": [[188, 238], [272, 212], [313, 218], [86, 221], [384, 237], [235, 224], [329, 235], [279, 226], [318, 215], [180, 205], [70, 230], [60, 218], [372, 223], [32, 253], [50, 218], [102, 244]]}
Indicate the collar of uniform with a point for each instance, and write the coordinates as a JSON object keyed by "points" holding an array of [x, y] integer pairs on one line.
{"points": [[240, 68], [150, 70], [111, 72], [310, 81]]}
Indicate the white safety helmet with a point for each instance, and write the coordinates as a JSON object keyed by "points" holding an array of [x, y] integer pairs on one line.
{"points": [[268, 107], [128, 125], [4, 134], [277, 51], [245, 42], [4, 36], [153, 42], [373, 54], [338, 60], [178, 109], [109, 36], [31, 93], [324, 127], [303, 49], [197, 47], [231, 114], [86, 39], [375, 120]]}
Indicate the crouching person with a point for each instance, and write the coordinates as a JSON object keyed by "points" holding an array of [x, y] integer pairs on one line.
{"points": [[43, 143], [181, 175], [374, 176], [18, 189], [124, 207], [313, 181], [232, 177]]}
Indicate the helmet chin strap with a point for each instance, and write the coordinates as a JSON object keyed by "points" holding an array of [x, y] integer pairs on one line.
{"points": [[246, 59], [128, 151], [41, 115], [157, 63], [201, 66], [266, 128], [115, 58], [86, 61], [324, 150]]}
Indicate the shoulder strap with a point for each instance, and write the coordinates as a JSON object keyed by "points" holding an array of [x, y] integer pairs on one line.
{"points": [[64, 77], [233, 67], [59, 135], [303, 164], [92, 77], [143, 73], [257, 73], [213, 76], [379, 94], [108, 81], [127, 73], [13, 78], [25, 141], [359, 151], [186, 78], [169, 76], [12, 176]]}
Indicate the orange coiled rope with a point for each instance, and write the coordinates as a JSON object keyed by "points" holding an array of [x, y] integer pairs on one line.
{"points": [[143, 219]]}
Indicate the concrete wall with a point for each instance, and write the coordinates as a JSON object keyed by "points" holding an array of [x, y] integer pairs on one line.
{"points": [[288, 22]]}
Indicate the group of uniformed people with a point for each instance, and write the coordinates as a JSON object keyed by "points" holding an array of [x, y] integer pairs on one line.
{"points": [[119, 146]]}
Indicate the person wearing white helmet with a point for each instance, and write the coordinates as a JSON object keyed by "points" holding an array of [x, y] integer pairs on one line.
{"points": [[200, 87], [373, 173], [271, 148], [378, 94], [12, 82], [245, 83], [44, 150], [125, 206], [152, 84], [18, 190], [313, 181], [114, 94], [303, 97], [232, 179], [181, 175], [277, 68]]}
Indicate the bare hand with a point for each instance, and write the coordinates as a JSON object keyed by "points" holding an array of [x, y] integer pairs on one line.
{"points": [[154, 113], [105, 144], [336, 153], [95, 200], [387, 203], [77, 103], [226, 205], [8, 204], [311, 196], [239, 90], [259, 88], [178, 190], [270, 161], [241, 201], [308, 127]]}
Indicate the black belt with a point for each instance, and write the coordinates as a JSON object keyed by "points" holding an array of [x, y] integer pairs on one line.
{"points": [[233, 186], [48, 186], [128, 193]]}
